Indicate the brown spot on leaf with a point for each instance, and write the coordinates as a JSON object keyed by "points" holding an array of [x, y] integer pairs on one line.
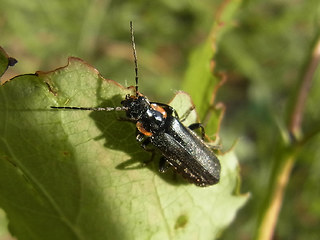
{"points": [[181, 221]]}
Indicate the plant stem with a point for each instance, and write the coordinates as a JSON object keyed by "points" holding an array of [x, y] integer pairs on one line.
{"points": [[282, 169], [269, 220], [297, 114]]}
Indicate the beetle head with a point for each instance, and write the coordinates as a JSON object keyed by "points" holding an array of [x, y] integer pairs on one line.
{"points": [[136, 106]]}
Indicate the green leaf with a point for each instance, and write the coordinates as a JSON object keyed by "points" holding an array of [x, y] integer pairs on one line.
{"points": [[79, 175], [4, 233], [5, 61], [200, 81]]}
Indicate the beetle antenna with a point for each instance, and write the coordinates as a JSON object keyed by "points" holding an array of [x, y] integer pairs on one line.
{"points": [[107, 109], [134, 56]]}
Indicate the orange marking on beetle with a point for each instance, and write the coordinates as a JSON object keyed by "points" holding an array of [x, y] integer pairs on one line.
{"points": [[134, 96], [142, 130], [159, 109]]}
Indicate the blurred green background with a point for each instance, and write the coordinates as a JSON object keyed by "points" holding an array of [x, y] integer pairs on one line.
{"points": [[263, 55]]}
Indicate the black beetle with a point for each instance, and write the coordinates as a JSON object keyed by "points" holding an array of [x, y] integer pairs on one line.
{"points": [[158, 124]]}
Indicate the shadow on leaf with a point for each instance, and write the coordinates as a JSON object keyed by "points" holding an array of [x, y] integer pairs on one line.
{"points": [[120, 135]]}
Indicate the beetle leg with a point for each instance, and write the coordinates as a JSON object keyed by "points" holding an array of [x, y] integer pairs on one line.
{"points": [[144, 144], [186, 114], [196, 126], [139, 136], [163, 165], [214, 147]]}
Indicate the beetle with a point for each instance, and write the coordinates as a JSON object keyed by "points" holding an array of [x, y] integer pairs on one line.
{"points": [[158, 124]]}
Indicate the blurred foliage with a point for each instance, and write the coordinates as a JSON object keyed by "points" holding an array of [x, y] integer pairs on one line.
{"points": [[263, 56], [97, 31]]}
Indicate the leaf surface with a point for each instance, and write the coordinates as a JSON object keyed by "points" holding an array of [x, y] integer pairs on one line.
{"points": [[79, 175]]}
